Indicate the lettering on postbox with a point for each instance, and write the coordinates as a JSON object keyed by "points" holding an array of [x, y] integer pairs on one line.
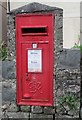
{"points": [[34, 59]]}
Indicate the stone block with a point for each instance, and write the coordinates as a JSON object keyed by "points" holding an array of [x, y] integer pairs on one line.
{"points": [[41, 116], [17, 115], [49, 110], [69, 59], [8, 69], [37, 109], [25, 109], [8, 92], [12, 107]]}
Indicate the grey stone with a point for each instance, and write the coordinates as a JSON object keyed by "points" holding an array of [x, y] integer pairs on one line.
{"points": [[25, 108], [4, 107], [0, 71], [34, 7], [12, 107], [8, 69], [0, 67], [81, 112], [37, 109], [0, 87], [70, 58], [0, 114], [49, 110], [0, 100], [42, 116], [8, 93], [17, 115]]}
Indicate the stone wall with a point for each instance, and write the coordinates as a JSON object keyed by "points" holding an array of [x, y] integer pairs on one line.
{"points": [[66, 72]]}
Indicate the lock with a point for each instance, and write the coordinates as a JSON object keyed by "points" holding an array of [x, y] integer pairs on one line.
{"points": [[28, 76]]}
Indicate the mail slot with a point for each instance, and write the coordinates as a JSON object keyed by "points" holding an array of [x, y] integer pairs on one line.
{"points": [[34, 59], [37, 30]]}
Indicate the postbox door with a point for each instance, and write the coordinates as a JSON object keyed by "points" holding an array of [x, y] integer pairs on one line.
{"points": [[36, 81]]}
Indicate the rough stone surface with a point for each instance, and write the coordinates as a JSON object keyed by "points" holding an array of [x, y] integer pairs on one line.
{"points": [[15, 115], [37, 109], [49, 110], [11, 37], [0, 71], [25, 109], [69, 58], [9, 90], [34, 8], [8, 69], [12, 107], [39, 116], [66, 71]]}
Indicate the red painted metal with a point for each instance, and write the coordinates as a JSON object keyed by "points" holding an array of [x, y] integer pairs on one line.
{"points": [[34, 85]]}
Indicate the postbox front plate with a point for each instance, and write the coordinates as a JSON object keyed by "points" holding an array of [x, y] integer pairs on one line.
{"points": [[34, 59]]}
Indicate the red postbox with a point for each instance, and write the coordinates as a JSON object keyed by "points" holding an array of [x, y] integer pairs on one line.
{"points": [[34, 59]]}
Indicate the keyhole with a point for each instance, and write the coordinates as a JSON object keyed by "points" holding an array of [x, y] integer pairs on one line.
{"points": [[26, 76]]}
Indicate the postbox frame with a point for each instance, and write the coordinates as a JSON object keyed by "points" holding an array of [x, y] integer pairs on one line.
{"points": [[18, 56]]}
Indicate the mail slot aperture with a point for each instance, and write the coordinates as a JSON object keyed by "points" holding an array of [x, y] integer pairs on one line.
{"points": [[36, 30]]}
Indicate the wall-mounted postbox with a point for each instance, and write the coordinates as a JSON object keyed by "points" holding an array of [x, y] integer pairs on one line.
{"points": [[34, 58]]}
